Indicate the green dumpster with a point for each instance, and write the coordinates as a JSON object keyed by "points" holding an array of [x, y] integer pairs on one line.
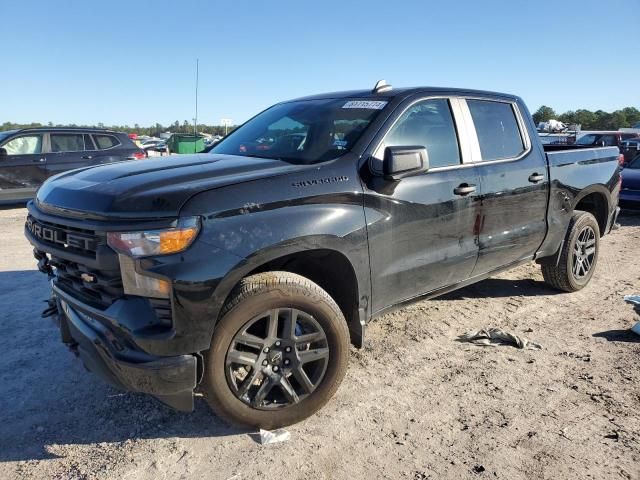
{"points": [[185, 143]]}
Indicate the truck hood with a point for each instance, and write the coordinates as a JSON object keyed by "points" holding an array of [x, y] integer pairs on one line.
{"points": [[150, 188]]}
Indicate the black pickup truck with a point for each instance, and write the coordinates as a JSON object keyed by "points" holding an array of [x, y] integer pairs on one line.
{"points": [[244, 274]]}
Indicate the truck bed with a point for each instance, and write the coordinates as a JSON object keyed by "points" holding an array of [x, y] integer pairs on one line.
{"points": [[572, 172]]}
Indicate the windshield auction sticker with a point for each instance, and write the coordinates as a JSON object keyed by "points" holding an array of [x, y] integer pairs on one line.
{"points": [[366, 104]]}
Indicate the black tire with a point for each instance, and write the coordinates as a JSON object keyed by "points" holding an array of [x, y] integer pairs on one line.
{"points": [[266, 292], [563, 276]]}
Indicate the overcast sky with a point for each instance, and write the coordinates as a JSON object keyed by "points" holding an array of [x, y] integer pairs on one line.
{"points": [[133, 62]]}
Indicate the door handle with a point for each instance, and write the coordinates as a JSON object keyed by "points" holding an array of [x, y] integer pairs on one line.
{"points": [[87, 157], [464, 189], [39, 160], [536, 177]]}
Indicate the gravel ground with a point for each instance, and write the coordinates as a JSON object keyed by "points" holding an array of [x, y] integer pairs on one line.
{"points": [[415, 404]]}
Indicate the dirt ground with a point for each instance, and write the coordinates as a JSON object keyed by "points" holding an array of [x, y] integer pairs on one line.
{"points": [[415, 404]]}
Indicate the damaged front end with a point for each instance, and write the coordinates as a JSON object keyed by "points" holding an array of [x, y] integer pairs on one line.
{"points": [[109, 330]]}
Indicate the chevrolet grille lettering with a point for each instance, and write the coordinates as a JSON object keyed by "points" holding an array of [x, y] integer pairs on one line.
{"points": [[58, 236]]}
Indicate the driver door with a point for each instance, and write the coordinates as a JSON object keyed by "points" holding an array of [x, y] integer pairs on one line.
{"points": [[422, 229], [23, 168]]}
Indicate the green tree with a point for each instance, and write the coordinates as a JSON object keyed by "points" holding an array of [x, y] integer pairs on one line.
{"points": [[585, 118], [615, 120], [544, 114], [632, 114], [568, 117], [602, 118]]}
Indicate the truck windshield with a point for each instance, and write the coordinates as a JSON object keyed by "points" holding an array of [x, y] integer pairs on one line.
{"points": [[304, 132], [6, 134]]}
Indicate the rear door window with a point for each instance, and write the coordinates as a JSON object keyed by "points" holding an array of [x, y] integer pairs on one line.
{"points": [[497, 129], [24, 145], [66, 142], [105, 142]]}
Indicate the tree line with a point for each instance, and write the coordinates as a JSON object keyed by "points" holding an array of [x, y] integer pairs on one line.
{"points": [[152, 131], [598, 120]]}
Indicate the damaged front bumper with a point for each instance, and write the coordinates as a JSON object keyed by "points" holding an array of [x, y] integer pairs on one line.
{"points": [[116, 360]]}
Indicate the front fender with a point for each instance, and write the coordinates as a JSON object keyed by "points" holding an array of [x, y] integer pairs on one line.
{"points": [[241, 232], [266, 235]]}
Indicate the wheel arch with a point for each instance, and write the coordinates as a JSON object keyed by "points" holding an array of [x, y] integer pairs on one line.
{"points": [[330, 267], [595, 200]]}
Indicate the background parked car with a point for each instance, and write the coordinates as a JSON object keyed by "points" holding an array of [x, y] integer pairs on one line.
{"points": [[29, 156], [154, 145], [630, 149], [630, 192], [604, 139], [151, 142], [157, 150]]}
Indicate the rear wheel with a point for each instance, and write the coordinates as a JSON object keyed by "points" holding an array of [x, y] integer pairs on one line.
{"points": [[279, 352], [579, 255]]}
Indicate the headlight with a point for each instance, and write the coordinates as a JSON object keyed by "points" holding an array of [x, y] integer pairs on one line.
{"points": [[156, 242], [135, 283]]}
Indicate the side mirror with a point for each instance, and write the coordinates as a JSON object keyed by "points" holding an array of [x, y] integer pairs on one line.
{"points": [[3, 152], [404, 161]]}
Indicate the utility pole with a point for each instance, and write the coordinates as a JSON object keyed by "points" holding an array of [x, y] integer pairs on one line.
{"points": [[195, 120], [227, 122]]}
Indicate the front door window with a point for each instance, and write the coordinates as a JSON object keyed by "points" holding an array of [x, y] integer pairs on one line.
{"points": [[24, 145]]}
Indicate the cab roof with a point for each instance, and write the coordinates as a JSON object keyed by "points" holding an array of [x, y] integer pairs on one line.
{"points": [[394, 93]]}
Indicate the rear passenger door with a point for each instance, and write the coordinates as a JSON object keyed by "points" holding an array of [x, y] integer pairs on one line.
{"points": [[109, 149], [514, 184], [69, 150]]}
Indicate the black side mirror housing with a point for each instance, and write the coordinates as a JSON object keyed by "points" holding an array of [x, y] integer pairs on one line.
{"points": [[404, 161], [3, 152]]}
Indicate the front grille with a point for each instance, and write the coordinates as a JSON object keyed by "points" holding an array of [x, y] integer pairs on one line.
{"points": [[100, 288], [65, 238], [96, 288], [162, 309], [84, 266]]}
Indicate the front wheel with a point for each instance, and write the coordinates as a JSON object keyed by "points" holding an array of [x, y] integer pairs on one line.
{"points": [[579, 255], [278, 353]]}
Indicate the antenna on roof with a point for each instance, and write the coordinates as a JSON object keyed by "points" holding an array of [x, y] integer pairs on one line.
{"points": [[381, 86]]}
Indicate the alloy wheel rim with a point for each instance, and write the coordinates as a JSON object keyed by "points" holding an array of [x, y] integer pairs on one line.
{"points": [[584, 252], [277, 359]]}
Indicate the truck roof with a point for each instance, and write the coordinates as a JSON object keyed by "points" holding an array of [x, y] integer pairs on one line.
{"points": [[406, 92]]}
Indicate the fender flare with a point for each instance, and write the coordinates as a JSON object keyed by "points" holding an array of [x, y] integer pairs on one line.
{"points": [[595, 188], [288, 247]]}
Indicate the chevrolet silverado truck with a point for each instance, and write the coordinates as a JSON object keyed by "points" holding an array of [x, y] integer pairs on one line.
{"points": [[243, 275]]}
